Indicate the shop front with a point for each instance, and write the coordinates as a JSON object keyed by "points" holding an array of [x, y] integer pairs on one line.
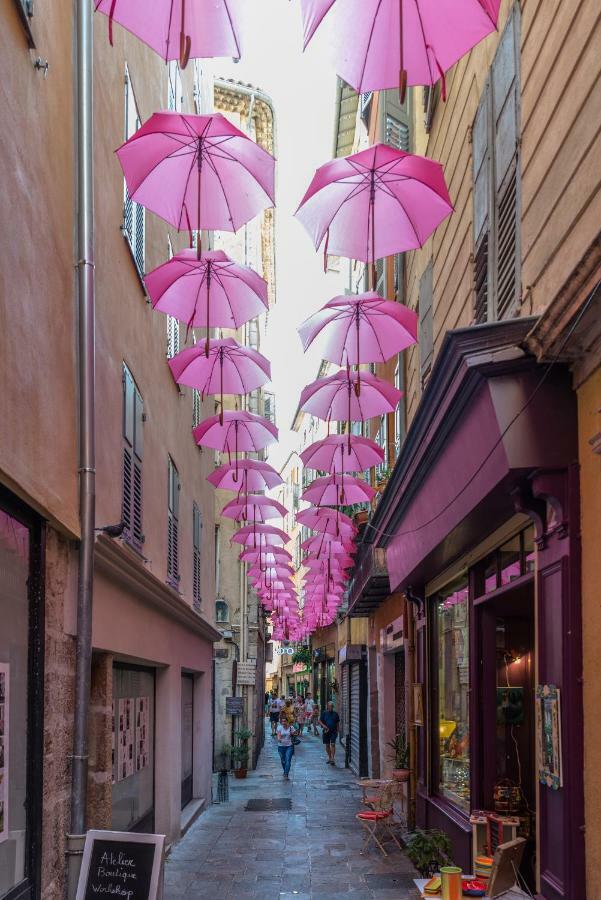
{"points": [[325, 683], [352, 659], [488, 560]]}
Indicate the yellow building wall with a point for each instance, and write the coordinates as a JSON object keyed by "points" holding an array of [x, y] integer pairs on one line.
{"points": [[589, 426]]}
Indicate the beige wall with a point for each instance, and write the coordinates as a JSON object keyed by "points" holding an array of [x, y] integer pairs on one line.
{"points": [[589, 430]]}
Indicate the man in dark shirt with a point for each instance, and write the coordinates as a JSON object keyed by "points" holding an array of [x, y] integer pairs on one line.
{"points": [[329, 721]]}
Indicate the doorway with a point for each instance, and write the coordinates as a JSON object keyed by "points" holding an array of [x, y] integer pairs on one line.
{"points": [[187, 727]]}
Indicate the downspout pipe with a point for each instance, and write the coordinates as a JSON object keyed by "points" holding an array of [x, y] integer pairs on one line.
{"points": [[87, 455]]}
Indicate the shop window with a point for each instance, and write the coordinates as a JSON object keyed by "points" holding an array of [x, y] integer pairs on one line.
{"points": [[452, 687], [513, 560], [133, 749], [21, 679]]}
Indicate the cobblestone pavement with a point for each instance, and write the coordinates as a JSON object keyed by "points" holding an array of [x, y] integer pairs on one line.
{"points": [[312, 850]]}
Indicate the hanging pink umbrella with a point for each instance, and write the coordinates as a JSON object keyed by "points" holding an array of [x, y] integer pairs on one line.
{"points": [[338, 490], [260, 535], [221, 366], [270, 572], [361, 329], [197, 172], [331, 454], [321, 543], [331, 521], [240, 432], [255, 507], [380, 44], [337, 397], [210, 292], [375, 203], [266, 555], [255, 475], [178, 29]]}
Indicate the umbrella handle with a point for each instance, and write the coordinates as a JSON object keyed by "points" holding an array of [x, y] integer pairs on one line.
{"points": [[111, 17], [402, 69], [185, 41]]}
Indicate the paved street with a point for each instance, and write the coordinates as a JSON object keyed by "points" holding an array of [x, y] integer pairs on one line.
{"points": [[312, 850]]}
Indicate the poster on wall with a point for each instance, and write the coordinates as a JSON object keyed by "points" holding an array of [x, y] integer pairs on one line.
{"points": [[548, 728], [125, 754], [142, 760], [4, 706]]}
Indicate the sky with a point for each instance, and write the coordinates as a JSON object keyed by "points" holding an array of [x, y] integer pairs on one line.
{"points": [[303, 91]]}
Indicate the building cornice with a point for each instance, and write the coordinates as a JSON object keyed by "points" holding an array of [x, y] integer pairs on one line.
{"points": [[124, 566]]}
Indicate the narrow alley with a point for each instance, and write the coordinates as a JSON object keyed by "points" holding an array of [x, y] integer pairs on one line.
{"points": [[311, 849]]}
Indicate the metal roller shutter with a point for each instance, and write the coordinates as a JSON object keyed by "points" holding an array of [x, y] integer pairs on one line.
{"points": [[344, 711], [355, 716]]}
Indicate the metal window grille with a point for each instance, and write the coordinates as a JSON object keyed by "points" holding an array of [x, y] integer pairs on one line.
{"points": [[133, 418], [397, 133], [173, 576], [196, 408], [172, 337], [196, 544]]}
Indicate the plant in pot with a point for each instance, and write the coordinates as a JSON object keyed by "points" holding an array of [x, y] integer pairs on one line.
{"points": [[223, 758], [240, 752], [400, 754], [428, 850]]}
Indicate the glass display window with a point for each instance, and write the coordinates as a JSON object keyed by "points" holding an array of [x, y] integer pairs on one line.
{"points": [[133, 749], [512, 560], [451, 633]]}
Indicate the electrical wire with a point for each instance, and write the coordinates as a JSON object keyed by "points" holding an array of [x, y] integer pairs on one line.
{"points": [[418, 528]]}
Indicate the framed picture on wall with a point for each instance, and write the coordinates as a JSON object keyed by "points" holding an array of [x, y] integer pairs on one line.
{"points": [[418, 705], [548, 730]]}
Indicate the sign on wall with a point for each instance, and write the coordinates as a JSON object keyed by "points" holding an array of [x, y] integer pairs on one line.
{"points": [[234, 706], [122, 864], [548, 727], [246, 673], [4, 707]]}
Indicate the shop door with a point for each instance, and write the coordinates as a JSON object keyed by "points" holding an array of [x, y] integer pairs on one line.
{"points": [[187, 737], [355, 716], [133, 749]]}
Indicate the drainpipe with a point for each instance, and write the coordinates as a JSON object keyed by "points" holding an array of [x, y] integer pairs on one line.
{"points": [[87, 461]]}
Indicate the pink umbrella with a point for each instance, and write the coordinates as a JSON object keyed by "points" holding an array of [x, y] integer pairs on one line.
{"points": [[267, 555], [253, 506], [177, 29], [321, 543], [221, 366], [361, 329], [380, 44], [328, 455], [260, 535], [331, 521], [255, 476], [375, 203], [210, 292], [336, 490], [270, 572], [337, 397], [197, 172], [240, 432]]}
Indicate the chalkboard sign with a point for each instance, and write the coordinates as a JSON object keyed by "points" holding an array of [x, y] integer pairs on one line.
{"points": [[234, 706], [121, 865]]}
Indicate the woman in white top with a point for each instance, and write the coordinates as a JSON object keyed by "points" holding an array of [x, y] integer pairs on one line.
{"points": [[285, 733]]}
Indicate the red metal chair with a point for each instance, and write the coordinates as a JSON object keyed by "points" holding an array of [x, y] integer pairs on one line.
{"points": [[378, 822]]}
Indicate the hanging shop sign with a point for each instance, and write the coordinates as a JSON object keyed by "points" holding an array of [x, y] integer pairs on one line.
{"points": [[246, 673], [282, 651], [121, 863], [234, 706], [4, 720]]}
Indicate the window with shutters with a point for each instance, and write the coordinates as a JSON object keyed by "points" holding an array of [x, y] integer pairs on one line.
{"points": [[382, 442], [133, 446], [399, 413], [134, 215], [173, 490], [175, 98], [426, 335], [269, 406], [396, 133], [196, 408], [196, 548], [172, 337], [495, 165]]}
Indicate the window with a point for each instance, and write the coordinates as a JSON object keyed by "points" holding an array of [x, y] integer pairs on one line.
{"points": [[222, 612], [269, 406], [399, 413], [396, 133], [451, 685], [512, 560], [173, 489], [495, 166], [134, 215], [430, 97], [382, 441], [196, 547], [133, 446], [175, 99], [426, 338], [172, 323], [196, 408]]}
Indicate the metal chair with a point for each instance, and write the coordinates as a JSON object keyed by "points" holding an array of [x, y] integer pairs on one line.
{"points": [[378, 821]]}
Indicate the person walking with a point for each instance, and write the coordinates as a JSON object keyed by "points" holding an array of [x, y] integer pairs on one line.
{"points": [[285, 735], [300, 714], [329, 721], [275, 707], [311, 713], [288, 711]]}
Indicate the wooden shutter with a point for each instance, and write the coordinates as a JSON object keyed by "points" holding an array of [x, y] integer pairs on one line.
{"points": [[133, 447], [505, 112], [173, 489], [134, 215], [172, 337], [196, 408], [196, 543], [481, 166], [426, 339]]}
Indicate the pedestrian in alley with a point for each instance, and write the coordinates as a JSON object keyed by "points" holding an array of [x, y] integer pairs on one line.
{"points": [[329, 721], [299, 711], [275, 707], [311, 714], [285, 735], [288, 711]]}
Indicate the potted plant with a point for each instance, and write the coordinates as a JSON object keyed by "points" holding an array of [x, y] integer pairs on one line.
{"points": [[240, 752], [428, 850], [223, 758], [400, 754]]}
